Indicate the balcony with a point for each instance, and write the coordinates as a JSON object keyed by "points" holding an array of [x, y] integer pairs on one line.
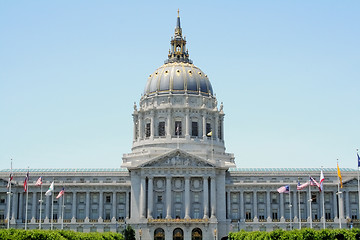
{"points": [[178, 220]]}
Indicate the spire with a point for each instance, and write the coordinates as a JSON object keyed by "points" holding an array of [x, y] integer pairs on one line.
{"points": [[178, 51]]}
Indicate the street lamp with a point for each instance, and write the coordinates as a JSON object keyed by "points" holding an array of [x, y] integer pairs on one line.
{"points": [[140, 233], [215, 231]]}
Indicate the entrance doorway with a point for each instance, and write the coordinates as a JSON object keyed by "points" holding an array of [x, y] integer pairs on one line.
{"points": [[178, 234], [196, 234], [159, 234]]}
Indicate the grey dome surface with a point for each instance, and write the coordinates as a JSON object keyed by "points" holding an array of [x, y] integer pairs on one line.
{"points": [[178, 78]]}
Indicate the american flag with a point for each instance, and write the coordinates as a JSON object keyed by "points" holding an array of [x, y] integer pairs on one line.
{"points": [[302, 186], [284, 189], [61, 193], [39, 181], [26, 182]]}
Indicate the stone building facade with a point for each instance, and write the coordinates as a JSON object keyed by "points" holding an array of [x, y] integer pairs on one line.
{"points": [[179, 182]]}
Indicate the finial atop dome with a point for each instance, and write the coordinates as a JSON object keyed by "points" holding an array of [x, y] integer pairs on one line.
{"points": [[178, 52]]}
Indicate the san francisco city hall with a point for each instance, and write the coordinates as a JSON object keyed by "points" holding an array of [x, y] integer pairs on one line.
{"points": [[179, 182]]}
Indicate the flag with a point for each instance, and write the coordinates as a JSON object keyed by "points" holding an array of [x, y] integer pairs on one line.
{"points": [[284, 189], [302, 186], [61, 193], [339, 175], [10, 179], [358, 159], [209, 134], [39, 182], [50, 190], [313, 182], [26, 182], [321, 180]]}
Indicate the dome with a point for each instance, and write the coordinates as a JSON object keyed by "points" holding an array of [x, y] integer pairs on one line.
{"points": [[178, 78]]}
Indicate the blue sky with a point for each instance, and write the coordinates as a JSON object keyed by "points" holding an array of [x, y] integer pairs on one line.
{"points": [[287, 72]]}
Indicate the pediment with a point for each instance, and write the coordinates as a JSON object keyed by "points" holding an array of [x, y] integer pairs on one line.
{"points": [[352, 181], [179, 159]]}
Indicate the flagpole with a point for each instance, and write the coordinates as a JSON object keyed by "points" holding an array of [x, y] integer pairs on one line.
{"points": [[290, 206], [40, 205], [62, 212], [310, 200], [9, 198], [27, 198], [357, 152], [338, 193], [323, 199], [299, 207], [52, 206]]}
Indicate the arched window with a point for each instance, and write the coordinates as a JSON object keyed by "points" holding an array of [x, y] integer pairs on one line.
{"points": [[159, 234], [196, 234], [178, 234]]}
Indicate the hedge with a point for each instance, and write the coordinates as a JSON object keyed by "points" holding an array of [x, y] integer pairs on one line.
{"points": [[20, 234], [303, 234]]}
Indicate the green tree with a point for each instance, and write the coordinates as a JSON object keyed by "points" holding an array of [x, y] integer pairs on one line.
{"points": [[128, 233]]}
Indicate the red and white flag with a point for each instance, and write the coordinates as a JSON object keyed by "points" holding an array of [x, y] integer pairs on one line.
{"points": [[10, 179], [39, 181], [26, 182], [321, 180], [61, 193]]}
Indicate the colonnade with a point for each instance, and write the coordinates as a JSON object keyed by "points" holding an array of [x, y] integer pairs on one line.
{"points": [[206, 202]]}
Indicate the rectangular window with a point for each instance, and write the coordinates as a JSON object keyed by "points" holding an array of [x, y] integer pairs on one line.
{"points": [[178, 197], [194, 129], [161, 128], [196, 197], [122, 198], [159, 198], [177, 213], [108, 199], [313, 197], [107, 214], [327, 197], [261, 213], [248, 214], [159, 212], [235, 213], [353, 213], [274, 214], [234, 198], [220, 130], [208, 129], [147, 130], [352, 197], [327, 213], [247, 198], [261, 198], [95, 199], [196, 213], [177, 128]]}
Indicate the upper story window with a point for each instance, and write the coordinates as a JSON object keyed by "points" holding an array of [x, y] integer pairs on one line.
{"points": [[194, 129], [108, 199], [178, 128], [247, 198], [208, 129], [220, 130], [161, 128], [147, 130]]}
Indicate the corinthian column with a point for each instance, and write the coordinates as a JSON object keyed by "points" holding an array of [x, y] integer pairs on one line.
{"points": [[187, 197], [206, 197], [168, 197], [150, 197], [213, 197]]}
